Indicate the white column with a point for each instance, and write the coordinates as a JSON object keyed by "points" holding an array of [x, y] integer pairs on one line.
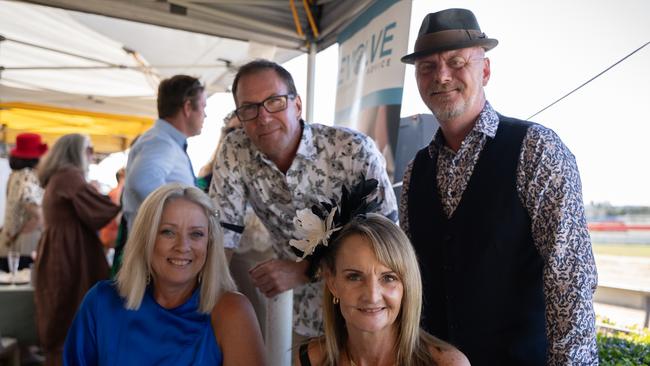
{"points": [[311, 80], [279, 323]]}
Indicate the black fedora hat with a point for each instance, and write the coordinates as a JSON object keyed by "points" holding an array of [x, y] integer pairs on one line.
{"points": [[446, 30]]}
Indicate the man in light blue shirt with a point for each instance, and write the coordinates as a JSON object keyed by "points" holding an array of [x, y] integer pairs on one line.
{"points": [[159, 156]]}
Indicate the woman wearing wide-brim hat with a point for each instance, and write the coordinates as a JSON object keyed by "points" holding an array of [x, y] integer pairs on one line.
{"points": [[23, 216]]}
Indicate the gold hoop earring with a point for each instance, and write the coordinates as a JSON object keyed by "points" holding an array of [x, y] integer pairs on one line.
{"points": [[335, 300]]}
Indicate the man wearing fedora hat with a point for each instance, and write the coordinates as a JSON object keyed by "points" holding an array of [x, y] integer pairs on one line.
{"points": [[494, 209]]}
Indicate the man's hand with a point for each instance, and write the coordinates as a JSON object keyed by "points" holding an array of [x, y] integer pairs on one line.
{"points": [[278, 275]]}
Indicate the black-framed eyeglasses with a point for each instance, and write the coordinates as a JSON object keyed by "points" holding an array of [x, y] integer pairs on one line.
{"points": [[272, 104]]}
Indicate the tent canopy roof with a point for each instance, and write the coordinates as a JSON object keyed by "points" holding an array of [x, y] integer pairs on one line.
{"points": [[262, 21], [101, 62]]}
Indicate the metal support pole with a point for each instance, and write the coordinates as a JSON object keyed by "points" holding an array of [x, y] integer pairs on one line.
{"points": [[311, 80]]}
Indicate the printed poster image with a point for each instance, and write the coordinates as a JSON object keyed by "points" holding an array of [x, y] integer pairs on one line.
{"points": [[371, 76]]}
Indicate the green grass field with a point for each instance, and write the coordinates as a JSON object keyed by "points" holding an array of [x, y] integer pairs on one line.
{"points": [[630, 250]]}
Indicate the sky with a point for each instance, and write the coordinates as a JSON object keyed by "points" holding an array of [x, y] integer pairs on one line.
{"points": [[546, 49]]}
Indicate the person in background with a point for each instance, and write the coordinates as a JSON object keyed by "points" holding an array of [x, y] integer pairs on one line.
{"points": [[70, 256], [230, 123], [278, 163], [23, 215], [174, 301], [159, 156], [254, 244], [493, 207], [373, 301], [108, 234]]}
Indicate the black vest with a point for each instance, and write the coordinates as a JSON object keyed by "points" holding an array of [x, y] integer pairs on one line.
{"points": [[482, 275]]}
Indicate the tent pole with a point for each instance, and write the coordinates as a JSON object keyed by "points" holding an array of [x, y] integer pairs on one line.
{"points": [[311, 79]]}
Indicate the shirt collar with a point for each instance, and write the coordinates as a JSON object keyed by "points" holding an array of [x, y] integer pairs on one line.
{"points": [[486, 123], [170, 130], [307, 147]]}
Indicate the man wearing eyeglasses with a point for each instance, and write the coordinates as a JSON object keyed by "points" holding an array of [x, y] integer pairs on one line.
{"points": [[279, 164], [159, 156], [493, 207]]}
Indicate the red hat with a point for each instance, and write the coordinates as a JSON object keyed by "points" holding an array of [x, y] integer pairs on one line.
{"points": [[28, 146]]}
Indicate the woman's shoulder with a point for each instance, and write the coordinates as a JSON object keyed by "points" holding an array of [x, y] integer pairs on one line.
{"points": [[237, 331], [447, 355], [312, 353], [232, 308], [24, 175], [103, 289], [69, 170], [231, 301], [101, 296], [68, 178]]}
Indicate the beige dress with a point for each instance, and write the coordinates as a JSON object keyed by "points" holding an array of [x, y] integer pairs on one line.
{"points": [[22, 189]]}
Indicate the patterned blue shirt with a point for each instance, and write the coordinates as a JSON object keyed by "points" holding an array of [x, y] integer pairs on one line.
{"points": [[549, 187], [157, 158]]}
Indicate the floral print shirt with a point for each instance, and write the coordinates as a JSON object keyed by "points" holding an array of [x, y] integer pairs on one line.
{"points": [[327, 159], [23, 188], [549, 187]]}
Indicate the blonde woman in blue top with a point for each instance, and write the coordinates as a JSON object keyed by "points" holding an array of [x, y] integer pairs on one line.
{"points": [[173, 302]]}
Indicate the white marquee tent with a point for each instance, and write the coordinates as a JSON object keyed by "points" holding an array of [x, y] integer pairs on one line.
{"points": [[83, 70]]}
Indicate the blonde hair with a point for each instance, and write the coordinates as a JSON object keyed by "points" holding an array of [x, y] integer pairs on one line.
{"points": [[68, 151], [394, 250], [136, 267]]}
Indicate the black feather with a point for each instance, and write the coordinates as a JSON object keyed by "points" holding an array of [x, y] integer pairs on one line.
{"points": [[353, 202]]}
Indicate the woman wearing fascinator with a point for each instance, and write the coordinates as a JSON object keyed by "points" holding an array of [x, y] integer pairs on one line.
{"points": [[373, 294], [174, 301]]}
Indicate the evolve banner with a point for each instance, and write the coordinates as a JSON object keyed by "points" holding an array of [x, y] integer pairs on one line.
{"points": [[371, 76]]}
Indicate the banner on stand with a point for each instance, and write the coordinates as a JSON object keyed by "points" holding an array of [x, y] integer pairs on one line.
{"points": [[371, 76]]}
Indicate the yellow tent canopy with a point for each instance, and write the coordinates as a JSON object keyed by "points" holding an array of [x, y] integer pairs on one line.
{"points": [[108, 132]]}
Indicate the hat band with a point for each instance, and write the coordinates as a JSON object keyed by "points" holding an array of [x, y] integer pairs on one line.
{"points": [[446, 37]]}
